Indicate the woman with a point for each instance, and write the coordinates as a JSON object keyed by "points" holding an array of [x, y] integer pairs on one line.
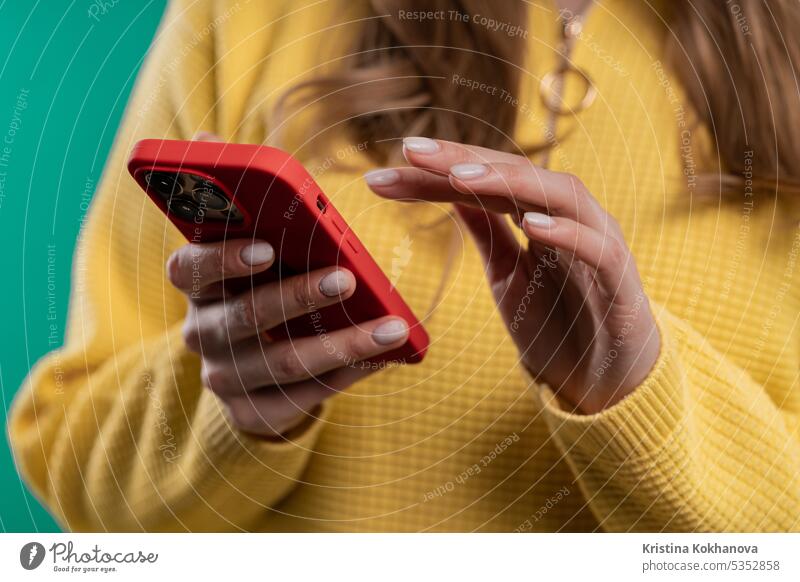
{"points": [[632, 364]]}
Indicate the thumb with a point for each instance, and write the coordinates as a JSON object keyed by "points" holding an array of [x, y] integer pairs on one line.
{"points": [[203, 135]]}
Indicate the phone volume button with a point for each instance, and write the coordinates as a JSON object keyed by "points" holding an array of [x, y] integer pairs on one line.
{"points": [[338, 224], [343, 231]]}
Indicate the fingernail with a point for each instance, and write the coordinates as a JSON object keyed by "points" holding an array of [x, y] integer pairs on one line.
{"points": [[390, 332], [382, 177], [257, 254], [420, 145], [334, 284], [469, 171], [538, 220]]}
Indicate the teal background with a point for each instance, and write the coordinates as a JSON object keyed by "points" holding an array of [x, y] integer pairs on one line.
{"points": [[78, 71]]}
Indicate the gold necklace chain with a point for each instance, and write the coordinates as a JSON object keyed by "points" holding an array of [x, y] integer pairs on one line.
{"points": [[551, 86]]}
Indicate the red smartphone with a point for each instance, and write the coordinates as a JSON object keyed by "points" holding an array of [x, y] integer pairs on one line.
{"points": [[214, 191]]}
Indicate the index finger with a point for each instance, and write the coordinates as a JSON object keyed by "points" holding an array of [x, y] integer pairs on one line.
{"points": [[478, 171], [438, 155], [195, 266]]}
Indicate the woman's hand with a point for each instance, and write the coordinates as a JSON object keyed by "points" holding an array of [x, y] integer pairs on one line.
{"points": [[573, 300], [270, 387]]}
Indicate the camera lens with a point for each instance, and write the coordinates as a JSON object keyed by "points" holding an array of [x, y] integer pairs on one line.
{"points": [[164, 183], [208, 194], [184, 208]]}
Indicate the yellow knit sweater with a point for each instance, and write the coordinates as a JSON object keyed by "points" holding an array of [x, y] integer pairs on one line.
{"points": [[115, 432]]}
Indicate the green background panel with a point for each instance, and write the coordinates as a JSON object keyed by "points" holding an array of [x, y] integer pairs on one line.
{"points": [[66, 70]]}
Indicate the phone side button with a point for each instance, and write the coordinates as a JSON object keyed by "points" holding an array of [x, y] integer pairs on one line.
{"points": [[338, 224], [352, 246]]}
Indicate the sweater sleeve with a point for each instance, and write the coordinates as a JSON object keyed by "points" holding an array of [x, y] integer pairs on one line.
{"points": [[699, 446], [114, 431]]}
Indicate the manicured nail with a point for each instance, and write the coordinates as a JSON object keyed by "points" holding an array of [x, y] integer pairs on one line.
{"points": [[390, 332], [334, 284], [420, 145], [382, 177], [538, 220], [257, 254], [469, 171]]}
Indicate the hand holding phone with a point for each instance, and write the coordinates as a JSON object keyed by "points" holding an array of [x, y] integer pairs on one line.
{"points": [[286, 305], [270, 387]]}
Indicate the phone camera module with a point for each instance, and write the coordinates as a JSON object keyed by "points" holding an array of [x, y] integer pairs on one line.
{"points": [[192, 197]]}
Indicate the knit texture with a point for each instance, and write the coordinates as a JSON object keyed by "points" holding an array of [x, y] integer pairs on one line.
{"points": [[115, 432]]}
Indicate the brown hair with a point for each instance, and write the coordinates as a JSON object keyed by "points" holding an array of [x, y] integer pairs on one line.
{"points": [[737, 64]]}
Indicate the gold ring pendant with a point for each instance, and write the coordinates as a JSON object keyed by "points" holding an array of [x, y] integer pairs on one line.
{"points": [[553, 100]]}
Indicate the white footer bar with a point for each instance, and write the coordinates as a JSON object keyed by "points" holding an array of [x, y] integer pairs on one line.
{"points": [[401, 557]]}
